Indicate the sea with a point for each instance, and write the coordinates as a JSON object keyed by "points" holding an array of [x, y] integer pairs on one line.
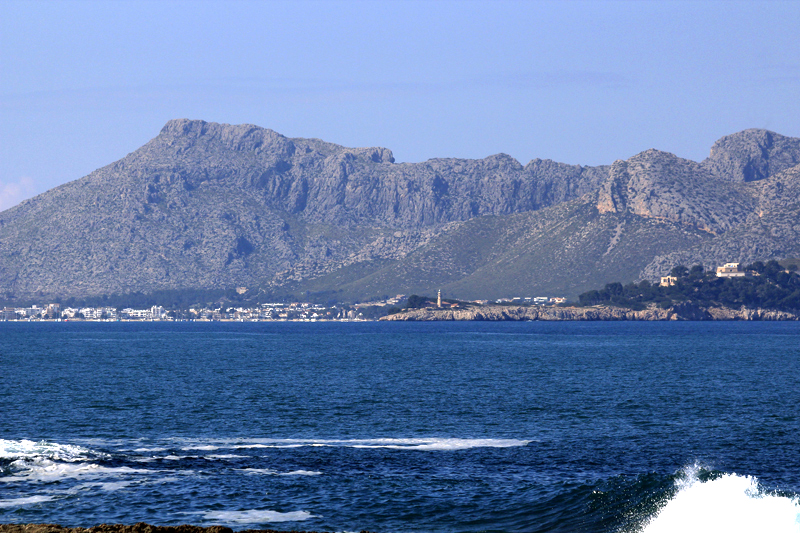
{"points": [[403, 427]]}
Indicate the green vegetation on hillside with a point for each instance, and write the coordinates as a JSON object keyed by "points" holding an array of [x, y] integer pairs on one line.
{"points": [[771, 287]]}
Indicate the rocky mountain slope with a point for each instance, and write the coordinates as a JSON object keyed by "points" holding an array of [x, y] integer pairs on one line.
{"points": [[206, 206]]}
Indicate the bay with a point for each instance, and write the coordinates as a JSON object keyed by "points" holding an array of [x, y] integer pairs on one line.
{"points": [[441, 427]]}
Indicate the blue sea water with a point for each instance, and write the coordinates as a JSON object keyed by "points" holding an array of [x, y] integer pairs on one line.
{"points": [[403, 427]]}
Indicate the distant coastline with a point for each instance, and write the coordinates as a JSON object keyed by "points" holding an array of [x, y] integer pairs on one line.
{"points": [[685, 311]]}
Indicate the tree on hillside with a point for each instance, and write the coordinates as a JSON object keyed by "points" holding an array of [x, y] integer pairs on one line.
{"points": [[415, 301], [679, 271]]}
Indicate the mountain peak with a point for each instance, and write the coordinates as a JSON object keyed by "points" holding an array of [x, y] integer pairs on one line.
{"points": [[183, 126], [752, 155]]}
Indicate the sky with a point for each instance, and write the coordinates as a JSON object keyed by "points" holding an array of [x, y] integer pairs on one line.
{"points": [[83, 83]]}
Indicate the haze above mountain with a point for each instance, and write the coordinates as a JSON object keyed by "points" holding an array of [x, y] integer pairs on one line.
{"points": [[206, 206]]}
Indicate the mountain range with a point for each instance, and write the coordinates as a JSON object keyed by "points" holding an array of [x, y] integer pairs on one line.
{"points": [[206, 206]]}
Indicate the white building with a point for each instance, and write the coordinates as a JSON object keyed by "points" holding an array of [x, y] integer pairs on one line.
{"points": [[731, 270], [139, 314], [668, 281]]}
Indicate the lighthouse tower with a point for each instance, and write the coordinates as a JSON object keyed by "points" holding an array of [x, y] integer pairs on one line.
{"points": [[439, 299]]}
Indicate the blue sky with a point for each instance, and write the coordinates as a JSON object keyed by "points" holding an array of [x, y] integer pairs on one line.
{"points": [[84, 83]]}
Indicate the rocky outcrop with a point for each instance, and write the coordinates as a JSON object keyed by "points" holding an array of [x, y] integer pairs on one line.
{"points": [[502, 313], [752, 155], [659, 185]]}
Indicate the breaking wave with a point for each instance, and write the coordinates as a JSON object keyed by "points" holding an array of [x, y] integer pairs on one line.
{"points": [[26, 460], [255, 516], [28, 449], [269, 472], [425, 444], [728, 502]]}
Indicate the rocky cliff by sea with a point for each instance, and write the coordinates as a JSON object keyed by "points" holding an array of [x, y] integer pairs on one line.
{"points": [[598, 313]]}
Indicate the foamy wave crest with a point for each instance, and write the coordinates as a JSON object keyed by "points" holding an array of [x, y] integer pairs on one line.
{"points": [[49, 461], [44, 470], [19, 502], [28, 449], [268, 472], [430, 444], [438, 444], [255, 516], [730, 503], [107, 487]]}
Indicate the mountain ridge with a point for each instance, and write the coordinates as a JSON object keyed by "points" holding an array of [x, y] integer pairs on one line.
{"points": [[205, 205]]}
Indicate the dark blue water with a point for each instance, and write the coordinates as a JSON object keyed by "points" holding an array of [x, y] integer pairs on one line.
{"points": [[437, 427]]}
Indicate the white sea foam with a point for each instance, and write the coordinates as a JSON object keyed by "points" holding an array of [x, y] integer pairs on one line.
{"points": [[226, 456], [28, 449], [104, 486], [19, 502], [429, 444], [207, 448], [161, 481], [269, 472], [256, 516], [730, 503], [439, 444], [45, 470], [254, 446], [114, 486]]}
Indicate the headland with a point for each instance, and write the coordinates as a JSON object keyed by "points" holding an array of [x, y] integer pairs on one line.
{"points": [[684, 311]]}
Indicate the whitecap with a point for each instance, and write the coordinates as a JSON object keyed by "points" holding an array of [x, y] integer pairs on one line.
{"points": [[19, 502], [269, 472], [28, 449], [254, 446], [732, 503], [258, 471], [107, 486], [45, 470], [438, 444], [425, 444], [226, 456], [256, 516]]}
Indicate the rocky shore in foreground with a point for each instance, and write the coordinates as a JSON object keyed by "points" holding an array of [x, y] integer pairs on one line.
{"points": [[686, 311], [140, 527]]}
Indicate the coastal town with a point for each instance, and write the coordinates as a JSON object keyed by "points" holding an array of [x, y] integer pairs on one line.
{"points": [[276, 311], [782, 282]]}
